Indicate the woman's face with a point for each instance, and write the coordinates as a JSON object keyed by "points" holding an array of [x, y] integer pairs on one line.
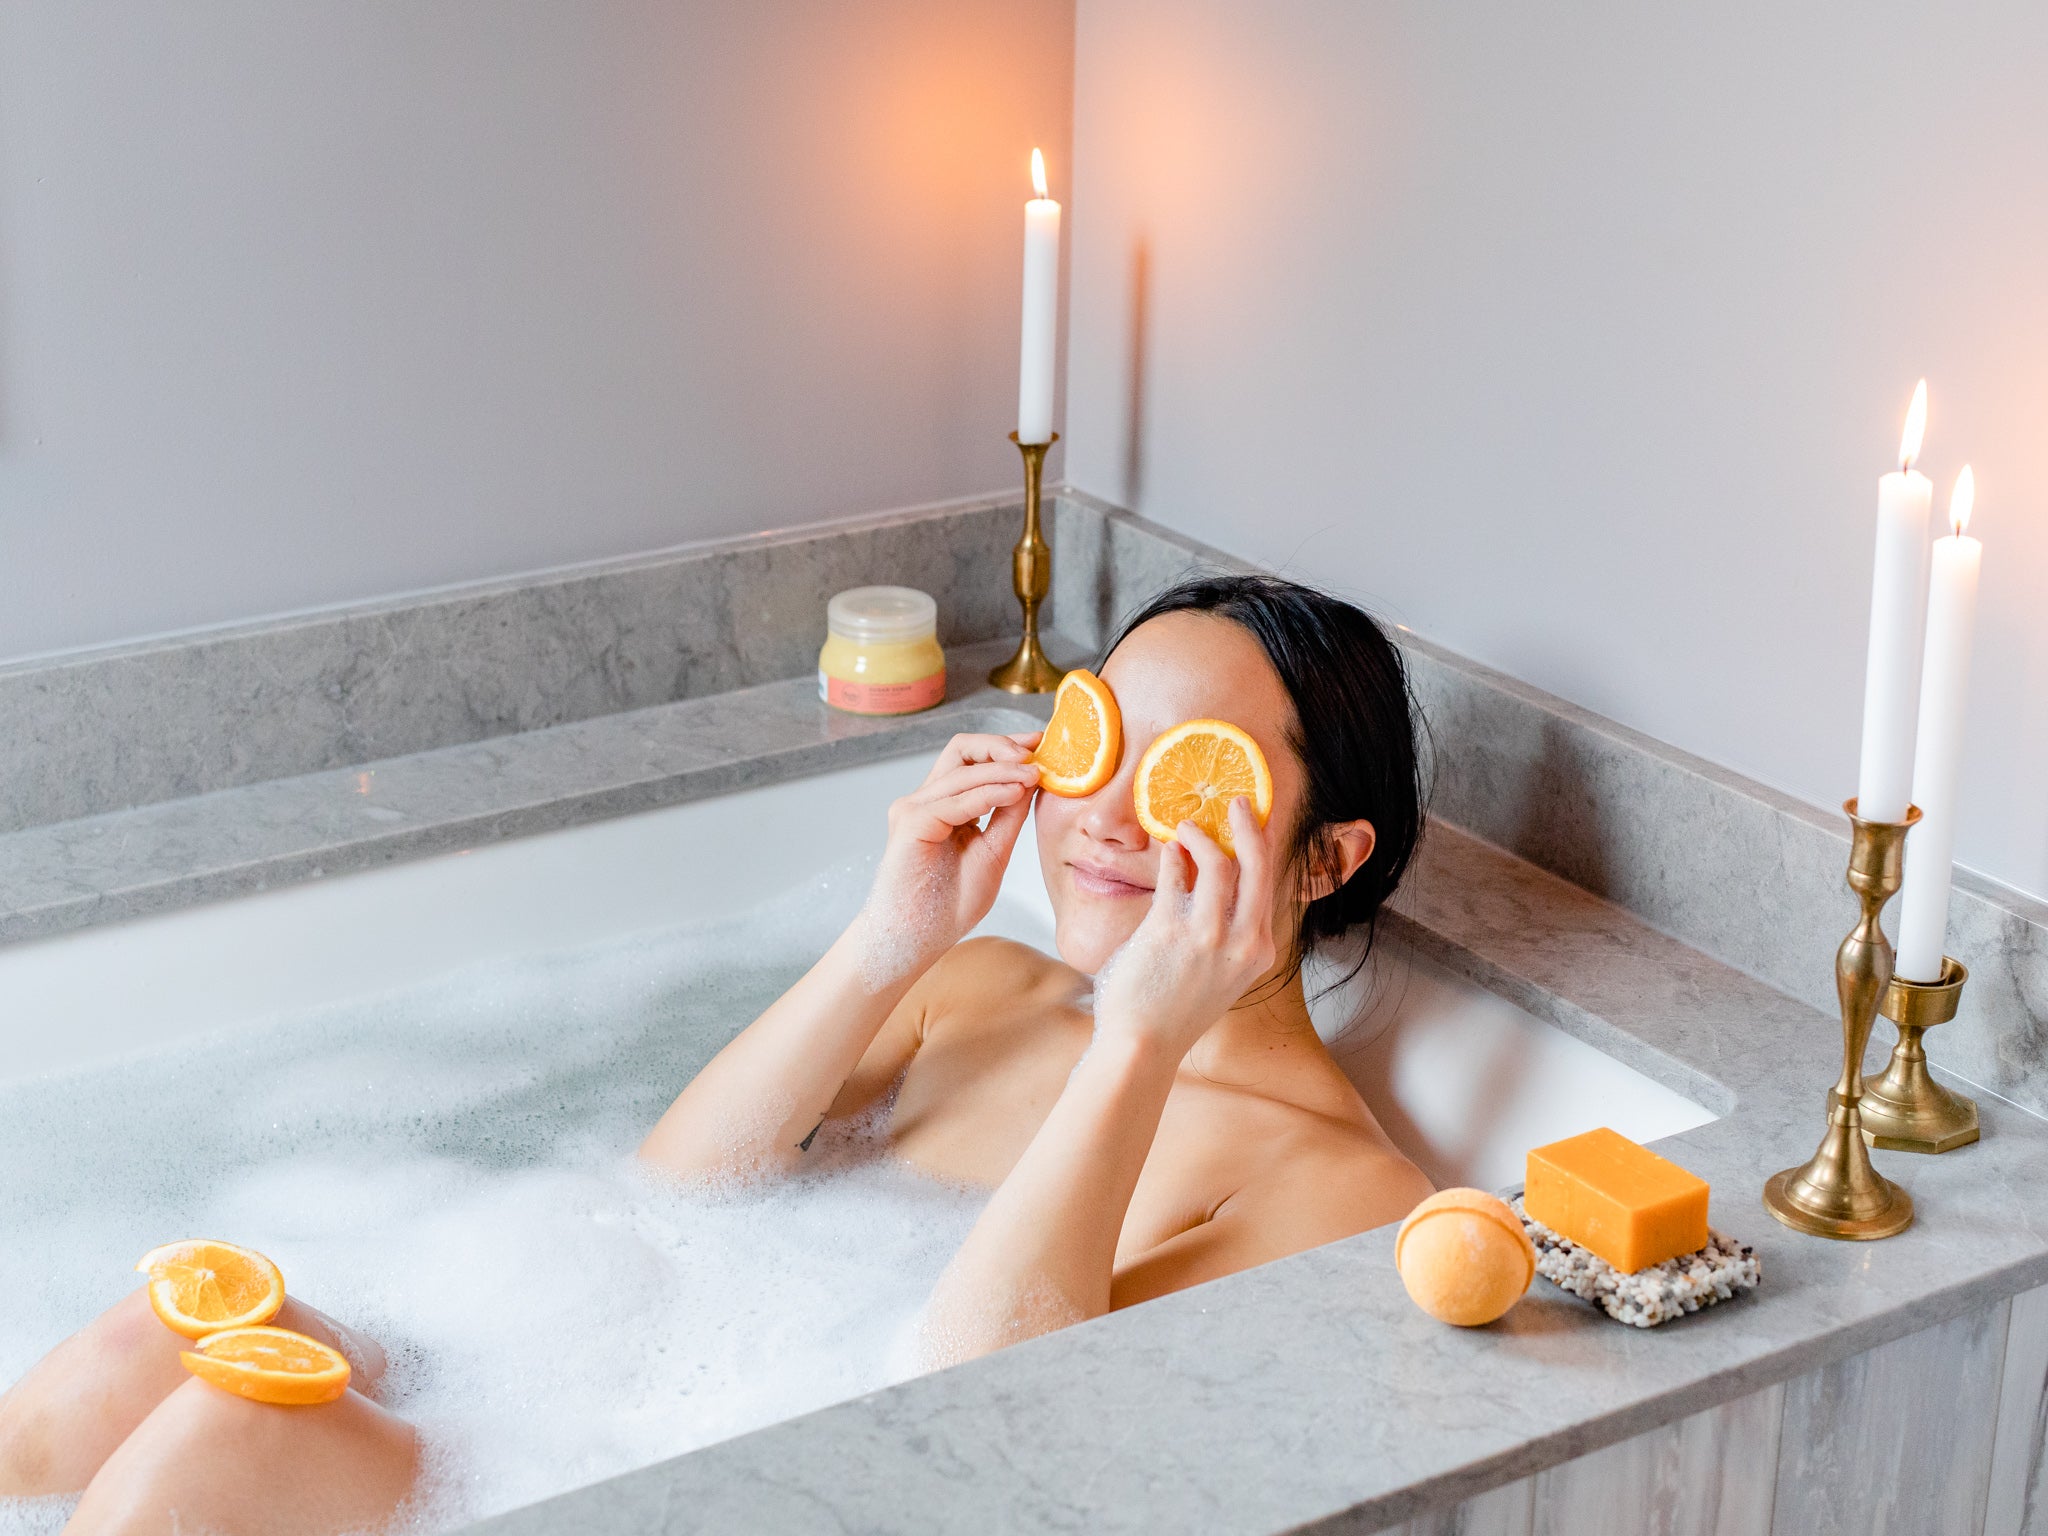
{"points": [[1100, 864]]}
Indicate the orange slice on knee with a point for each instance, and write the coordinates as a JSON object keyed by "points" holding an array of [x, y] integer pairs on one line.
{"points": [[1083, 739], [1192, 772], [269, 1365], [199, 1287]]}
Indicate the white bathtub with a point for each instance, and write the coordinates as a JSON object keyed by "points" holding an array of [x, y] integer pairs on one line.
{"points": [[1464, 1080]]}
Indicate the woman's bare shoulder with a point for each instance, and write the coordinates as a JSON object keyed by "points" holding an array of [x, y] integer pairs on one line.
{"points": [[1312, 1183], [975, 970], [1330, 1178]]}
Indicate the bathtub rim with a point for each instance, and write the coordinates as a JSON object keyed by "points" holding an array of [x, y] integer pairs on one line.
{"points": [[1514, 930]]}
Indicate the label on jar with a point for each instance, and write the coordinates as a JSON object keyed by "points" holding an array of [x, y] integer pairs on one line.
{"points": [[882, 698]]}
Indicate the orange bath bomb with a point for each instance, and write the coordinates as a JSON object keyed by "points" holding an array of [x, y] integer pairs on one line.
{"points": [[1464, 1257]]}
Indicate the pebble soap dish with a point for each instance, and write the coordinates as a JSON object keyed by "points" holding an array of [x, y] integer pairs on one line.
{"points": [[1720, 1271]]}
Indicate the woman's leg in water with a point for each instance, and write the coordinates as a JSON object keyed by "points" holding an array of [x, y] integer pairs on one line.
{"points": [[61, 1421], [206, 1460]]}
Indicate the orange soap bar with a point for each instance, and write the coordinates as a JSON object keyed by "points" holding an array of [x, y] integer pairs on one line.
{"points": [[1616, 1199]]}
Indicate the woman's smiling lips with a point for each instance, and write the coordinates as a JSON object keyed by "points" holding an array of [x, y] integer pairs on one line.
{"points": [[1099, 880]]}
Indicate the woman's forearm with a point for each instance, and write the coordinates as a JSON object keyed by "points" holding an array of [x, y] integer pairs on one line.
{"points": [[755, 1105], [758, 1102], [1044, 1250], [1043, 1253]]}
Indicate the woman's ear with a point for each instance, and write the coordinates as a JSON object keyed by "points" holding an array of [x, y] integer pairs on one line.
{"points": [[1347, 844]]}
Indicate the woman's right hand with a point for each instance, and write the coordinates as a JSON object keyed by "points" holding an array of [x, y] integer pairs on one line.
{"points": [[940, 871], [1198, 949]]}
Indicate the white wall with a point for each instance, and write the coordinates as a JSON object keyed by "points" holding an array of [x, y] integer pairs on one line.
{"points": [[1576, 337], [310, 302]]}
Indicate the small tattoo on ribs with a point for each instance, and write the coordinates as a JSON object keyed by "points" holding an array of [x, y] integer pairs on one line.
{"points": [[805, 1144]]}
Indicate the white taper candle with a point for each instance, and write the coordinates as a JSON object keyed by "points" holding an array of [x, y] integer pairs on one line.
{"points": [[1898, 611], [1041, 311], [1938, 756]]}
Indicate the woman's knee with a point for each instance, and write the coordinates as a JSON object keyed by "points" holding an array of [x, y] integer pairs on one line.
{"points": [[76, 1404], [209, 1460], [364, 1355]]}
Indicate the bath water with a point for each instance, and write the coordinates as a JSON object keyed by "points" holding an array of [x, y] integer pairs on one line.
{"points": [[450, 1169]]}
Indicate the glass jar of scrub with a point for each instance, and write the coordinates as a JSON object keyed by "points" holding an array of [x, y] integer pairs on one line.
{"points": [[881, 654]]}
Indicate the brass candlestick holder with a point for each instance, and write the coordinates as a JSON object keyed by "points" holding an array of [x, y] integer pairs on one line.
{"points": [[1837, 1193], [1030, 670], [1906, 1110]]}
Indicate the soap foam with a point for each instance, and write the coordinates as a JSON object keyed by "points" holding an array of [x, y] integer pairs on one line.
{"points": [[896, 933], [37, 1517], [449, 1169], [1139, 972]]}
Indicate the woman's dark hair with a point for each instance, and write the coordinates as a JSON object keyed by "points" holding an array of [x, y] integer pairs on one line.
{"points": [[1355, 733]]}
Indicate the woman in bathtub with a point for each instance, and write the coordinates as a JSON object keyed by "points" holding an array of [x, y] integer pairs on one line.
{"points": [[1177, 1121], [1183, 1121]]}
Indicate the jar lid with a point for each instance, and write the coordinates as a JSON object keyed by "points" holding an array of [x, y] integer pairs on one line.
{"points": [[882, 613]]}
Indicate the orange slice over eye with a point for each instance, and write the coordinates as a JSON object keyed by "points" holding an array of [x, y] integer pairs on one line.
{"points": [[269, 1365], [1084, 738], [199, 1287], [1192, 772]]}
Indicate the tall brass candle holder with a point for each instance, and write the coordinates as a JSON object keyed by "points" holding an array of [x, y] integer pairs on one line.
{"points": [[1906, 1110], [1837, 1193], [1030, 670]]}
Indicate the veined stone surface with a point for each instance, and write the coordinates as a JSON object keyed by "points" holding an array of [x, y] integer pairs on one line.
{"points": [[107, 729], [156, 858]]}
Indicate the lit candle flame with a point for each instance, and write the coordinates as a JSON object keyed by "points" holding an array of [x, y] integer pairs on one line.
{"points": [[1038, 172], [1916, 428], [1961, 500]]}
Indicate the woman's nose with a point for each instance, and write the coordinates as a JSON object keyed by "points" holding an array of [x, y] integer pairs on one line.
{"points": [[1110, 815]]}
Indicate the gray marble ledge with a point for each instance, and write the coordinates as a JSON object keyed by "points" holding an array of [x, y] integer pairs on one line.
{"points": [[1741, 870], [182, 715], [233, 842], [1108, 562], [1729, 865], [1310, 1394]]}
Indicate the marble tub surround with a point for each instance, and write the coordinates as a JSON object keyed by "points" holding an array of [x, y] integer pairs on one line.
{"points": [[1107, 562], [1740, 870], [233, 842], [108, 729], [1736, 868], [1310, 1394], [197, 768]]}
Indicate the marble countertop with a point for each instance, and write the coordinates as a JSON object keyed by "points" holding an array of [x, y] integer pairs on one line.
{"points": [[1307, 1392], [74, 874]]}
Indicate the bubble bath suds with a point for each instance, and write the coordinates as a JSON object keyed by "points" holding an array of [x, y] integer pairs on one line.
{"points": [[450, 1169]]}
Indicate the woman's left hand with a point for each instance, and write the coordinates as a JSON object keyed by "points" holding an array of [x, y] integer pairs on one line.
{"points": [[1199, 948]]}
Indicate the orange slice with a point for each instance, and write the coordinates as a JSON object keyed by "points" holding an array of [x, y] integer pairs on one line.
{"points": [[199, 1287], [1084, 738], [270, 1365], [1192, 773]]}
